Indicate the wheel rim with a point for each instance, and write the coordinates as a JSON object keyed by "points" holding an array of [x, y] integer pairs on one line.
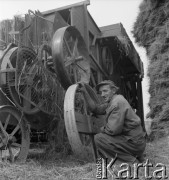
{"points": [[14, 135], [70, 56], [74, 111]]}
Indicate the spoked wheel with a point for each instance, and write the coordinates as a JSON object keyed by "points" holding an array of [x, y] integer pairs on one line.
{"points": [[78, 122], [14, 72], [107, 60], [14, 135], [70, 56]]}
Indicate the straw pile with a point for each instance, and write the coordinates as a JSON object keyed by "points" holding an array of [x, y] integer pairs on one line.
{"points": [[151, 31]]}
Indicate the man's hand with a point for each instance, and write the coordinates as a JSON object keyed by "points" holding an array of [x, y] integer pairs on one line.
{"points": [[102, 129], [82, 87], [81, 84]]}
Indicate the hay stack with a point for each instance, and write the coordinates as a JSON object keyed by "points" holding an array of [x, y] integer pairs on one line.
{"points": [[151, 31]]}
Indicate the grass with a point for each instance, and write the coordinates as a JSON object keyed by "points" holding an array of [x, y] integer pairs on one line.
{"points": [[42, 167], [57, 167]]}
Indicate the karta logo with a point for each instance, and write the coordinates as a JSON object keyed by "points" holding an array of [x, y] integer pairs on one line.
{"points": [[103, 168], [128, 171]]}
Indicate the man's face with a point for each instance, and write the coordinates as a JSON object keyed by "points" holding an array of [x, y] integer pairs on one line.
{"points": [[106, 92]]}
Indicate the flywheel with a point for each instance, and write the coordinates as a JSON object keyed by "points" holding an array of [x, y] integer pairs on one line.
{"points": [[79, 123], [70, 56]]}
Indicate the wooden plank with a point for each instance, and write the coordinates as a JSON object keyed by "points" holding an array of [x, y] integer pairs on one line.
{"points": [[99, 67], [100, 77], [77, 20], [87, 2], [59, 22], [140, 111], [93, 26], [27, 22], [86, 28], [93, 80]]}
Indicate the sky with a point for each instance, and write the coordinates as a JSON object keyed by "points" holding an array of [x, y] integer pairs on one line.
{"points": [[104, 12]]}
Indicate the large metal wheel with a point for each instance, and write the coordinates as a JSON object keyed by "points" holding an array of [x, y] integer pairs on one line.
{"points": [[107, 60], [14, 135], [78, 122], [9, 66], [70, 56]]}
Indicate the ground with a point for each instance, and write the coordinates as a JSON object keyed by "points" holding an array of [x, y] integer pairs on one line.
{"points": [[55, 167]]}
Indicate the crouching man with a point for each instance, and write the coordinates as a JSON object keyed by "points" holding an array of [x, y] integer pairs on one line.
{"points": [[122, 134]]}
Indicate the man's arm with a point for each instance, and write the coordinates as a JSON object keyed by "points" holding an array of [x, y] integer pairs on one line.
{"points": [[89, 101], [93, 107]]}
